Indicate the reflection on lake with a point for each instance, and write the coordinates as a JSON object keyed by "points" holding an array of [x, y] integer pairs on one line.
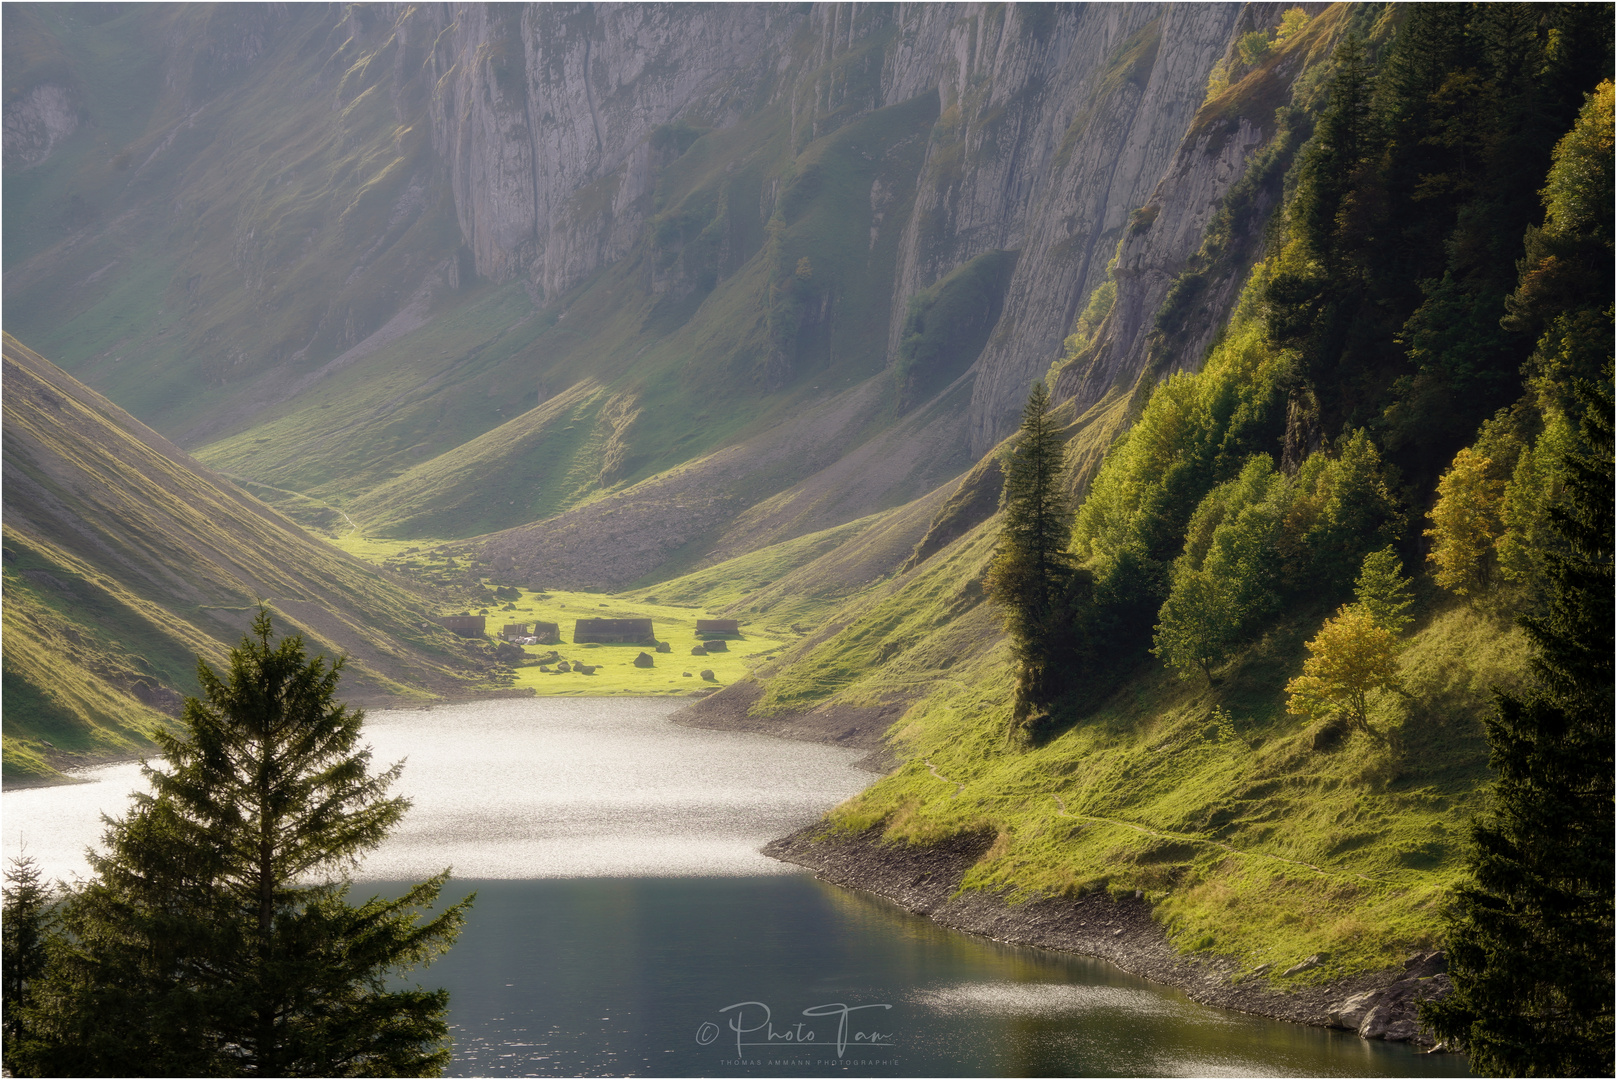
{"points": [[623, 906], [529, 788], [619, 976]]}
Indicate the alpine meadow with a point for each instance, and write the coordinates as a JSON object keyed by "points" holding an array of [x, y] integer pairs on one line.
{"points": [[1171, 444]]}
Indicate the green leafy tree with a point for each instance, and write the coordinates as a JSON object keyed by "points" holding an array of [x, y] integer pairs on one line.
{"points": [[1534, 487], [1350, 657], [1033, 575], [1530, 935], [1465, 522], [216, 937], [1229, 575], [1199, 624], [1382, 590]]}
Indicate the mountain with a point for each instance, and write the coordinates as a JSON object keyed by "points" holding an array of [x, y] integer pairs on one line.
{"points": [[730, 280], [1401, 382], [126, 559], [737, 306]]}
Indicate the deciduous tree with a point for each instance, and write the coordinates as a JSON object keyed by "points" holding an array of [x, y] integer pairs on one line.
{"points": [[1383, 591], [1465, 522], [1350, 657]]}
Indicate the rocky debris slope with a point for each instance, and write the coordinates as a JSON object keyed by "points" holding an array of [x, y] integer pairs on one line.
{"points": [[926, 881]]}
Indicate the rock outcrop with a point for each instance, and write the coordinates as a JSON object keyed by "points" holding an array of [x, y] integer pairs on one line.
{"points": [[1055, 124], [36, 122]]}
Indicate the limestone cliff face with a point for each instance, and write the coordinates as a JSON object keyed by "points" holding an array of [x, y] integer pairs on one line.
{"points": [[545, 115], [1227, 166], [1056, 123], [782, 185]]}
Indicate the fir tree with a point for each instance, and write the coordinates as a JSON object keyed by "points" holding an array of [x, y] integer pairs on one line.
{"points": [[1382, 591], [1530, 936], [26, 928], [1033, 575], [216, 937]]}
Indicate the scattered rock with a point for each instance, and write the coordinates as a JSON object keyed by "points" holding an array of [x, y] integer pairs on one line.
{"points": [[1351, 1013], [545, 668], [716, 645], [687, 674], [1307, 965], [707, 674], [663, 646], [698, 650], [564, 666], [644, 660], [586, 669]]}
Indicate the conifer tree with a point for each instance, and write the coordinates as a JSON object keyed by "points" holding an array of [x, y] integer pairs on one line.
{"points": [[1530, 935], [26, 929], [1383, 591], [1033, 573], [216, 937]]}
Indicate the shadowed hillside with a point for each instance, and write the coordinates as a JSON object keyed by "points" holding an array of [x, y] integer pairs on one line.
{"points": [[125, 559]]}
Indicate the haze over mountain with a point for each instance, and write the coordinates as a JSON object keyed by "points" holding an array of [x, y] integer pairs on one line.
{"points": [[739, 272], [125, 559]]}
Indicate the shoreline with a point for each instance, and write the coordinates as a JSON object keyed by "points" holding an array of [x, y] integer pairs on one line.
{"points": [[925, 881]]}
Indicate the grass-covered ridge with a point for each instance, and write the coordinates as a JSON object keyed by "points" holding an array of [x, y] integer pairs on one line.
{"points": [[1253, 841], [125, 560]]}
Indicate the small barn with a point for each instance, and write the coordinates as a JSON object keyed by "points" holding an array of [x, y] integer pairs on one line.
{"points": [[514, 630], [547, 633], [614, 632], [464, 625], [718, 626]]}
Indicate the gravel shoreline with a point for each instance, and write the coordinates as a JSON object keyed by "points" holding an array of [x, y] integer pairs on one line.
{"points": [[925, 880]]}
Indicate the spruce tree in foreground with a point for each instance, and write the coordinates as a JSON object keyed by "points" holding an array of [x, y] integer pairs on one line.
{"points": [[1530, 937], [216, 937], [1033, 573]]}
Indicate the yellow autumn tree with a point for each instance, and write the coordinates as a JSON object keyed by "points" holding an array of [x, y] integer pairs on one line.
{"points": [[1465, 522], [1349, 657]]}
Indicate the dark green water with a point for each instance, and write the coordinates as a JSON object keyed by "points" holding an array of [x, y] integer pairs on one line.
{"points": [[632, 976]]}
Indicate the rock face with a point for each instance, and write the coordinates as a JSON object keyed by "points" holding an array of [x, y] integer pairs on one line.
{"points": [[1055, 123], [1390, 1012], [537, 144], [1167, 239]]}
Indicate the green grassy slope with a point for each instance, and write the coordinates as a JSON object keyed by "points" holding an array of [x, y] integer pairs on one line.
{"points": [[1254, 841], [125, 559]]}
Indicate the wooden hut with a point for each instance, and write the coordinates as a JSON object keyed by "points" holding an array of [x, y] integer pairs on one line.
{"points": [[464, 625], [614, 632]]}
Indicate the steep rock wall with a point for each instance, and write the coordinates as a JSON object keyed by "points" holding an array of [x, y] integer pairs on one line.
{"points": [[1229, 166], [1056, 123]]}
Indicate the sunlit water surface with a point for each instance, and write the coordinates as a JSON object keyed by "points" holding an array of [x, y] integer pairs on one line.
{"points": [[626, 924]]}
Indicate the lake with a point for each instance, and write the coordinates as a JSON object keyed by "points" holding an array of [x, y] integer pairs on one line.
{"points": [[626, 924]]}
